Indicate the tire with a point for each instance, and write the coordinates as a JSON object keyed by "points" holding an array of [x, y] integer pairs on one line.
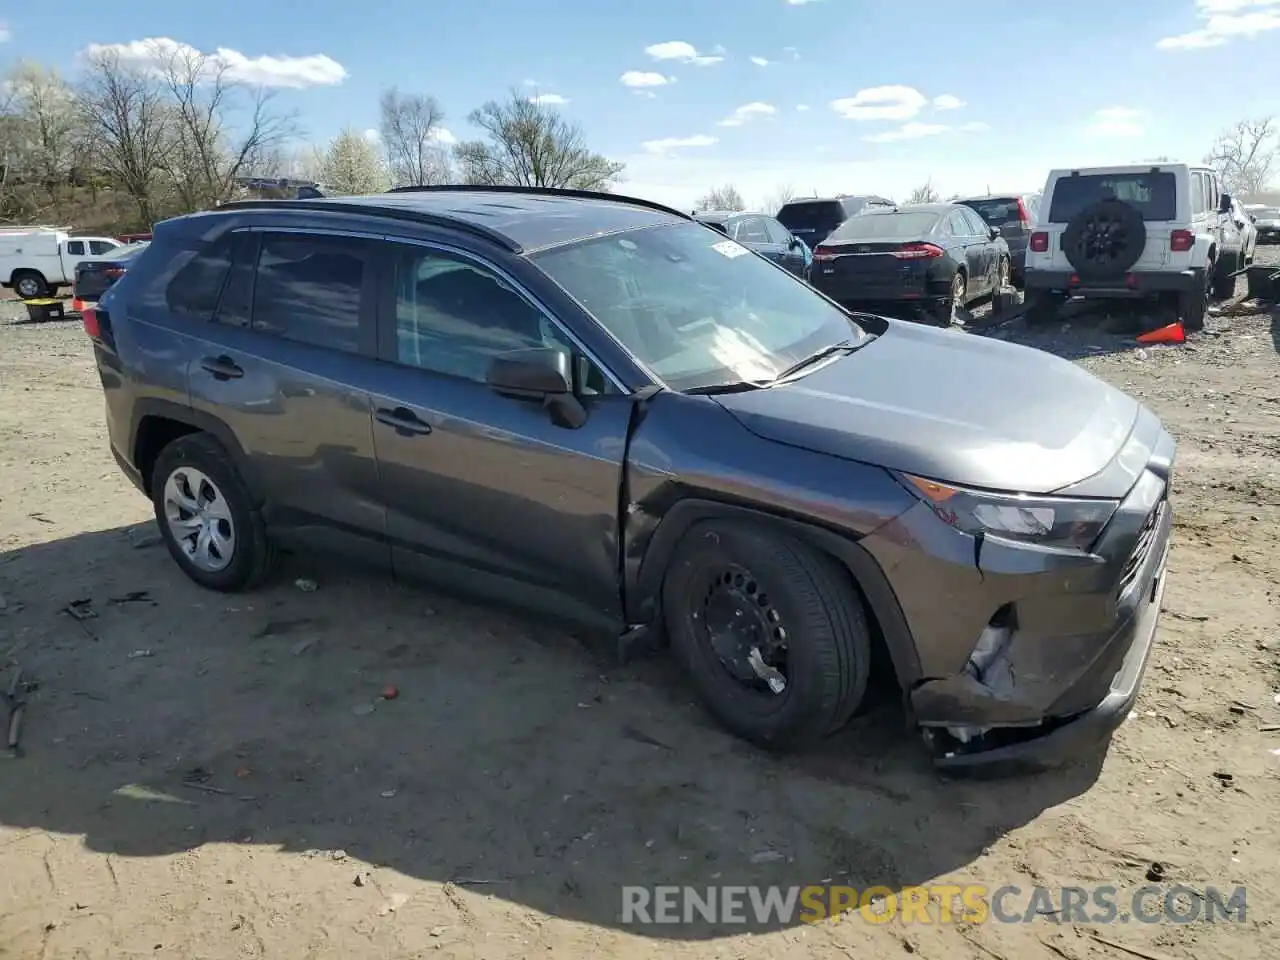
{"points": [[1002, 275], [1224, 285], [1193, 304], [30, 285], [948, 314], [1105, 239], [251, 554], [784, 586]]}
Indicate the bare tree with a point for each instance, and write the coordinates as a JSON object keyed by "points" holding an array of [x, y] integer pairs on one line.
{"points": [[924, 193], [45, 113], [531, 144], [124, 109], [352, 166], [779, 198], [1245, 154], [207, 152], [409, 126], [722, 198]]}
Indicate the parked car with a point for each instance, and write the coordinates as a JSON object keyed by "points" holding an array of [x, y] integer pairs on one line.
{"points": [[594, 406], [1144, 230], [813, 218], [1267, 222], [36, 261], [765, 235], [93, 277], [1239, 238], [1014, 215], [939, 256], [134, 237]]}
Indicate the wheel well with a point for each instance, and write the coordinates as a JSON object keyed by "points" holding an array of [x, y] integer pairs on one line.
{"points": [[154, 434], [23, 271]]}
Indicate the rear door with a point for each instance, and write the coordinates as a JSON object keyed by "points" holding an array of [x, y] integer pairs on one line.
{"points": [[791, 254], [483, 489], [990, 247], [973, 249], [750, 231], [286, 360]]}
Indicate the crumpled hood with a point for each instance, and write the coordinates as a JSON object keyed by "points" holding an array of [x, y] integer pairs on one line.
{"points": [[950, 406]]}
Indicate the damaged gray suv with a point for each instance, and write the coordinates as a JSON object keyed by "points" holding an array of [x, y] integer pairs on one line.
{"points": [[597, 407]]}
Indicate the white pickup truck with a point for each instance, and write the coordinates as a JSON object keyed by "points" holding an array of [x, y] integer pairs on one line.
{"points": [[36, 261]]}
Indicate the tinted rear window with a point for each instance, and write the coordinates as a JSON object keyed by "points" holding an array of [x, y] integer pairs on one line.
{"points": [[885, 226], [996, 212], [1154, 194], [816, 215]]}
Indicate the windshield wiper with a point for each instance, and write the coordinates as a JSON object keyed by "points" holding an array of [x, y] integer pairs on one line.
{"points": [[734, 386], [841, 346]]}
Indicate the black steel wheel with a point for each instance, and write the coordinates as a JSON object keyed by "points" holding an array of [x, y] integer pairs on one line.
{"points": [[772, 633], [1104, 240]]}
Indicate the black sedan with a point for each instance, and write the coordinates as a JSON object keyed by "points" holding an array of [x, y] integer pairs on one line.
{"points": [[93, 277], [936, 257], [765, 235]]}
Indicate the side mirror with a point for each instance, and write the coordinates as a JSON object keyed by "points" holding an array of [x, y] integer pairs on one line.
{"points": [[995, 233], [1224, 205], [532, 374]]}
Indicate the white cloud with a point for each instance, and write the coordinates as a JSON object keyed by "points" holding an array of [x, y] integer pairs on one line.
{"points": [[444, 136], [645, 78], [682, 52], [1223, 20], [372, 135], [549, 99], [1116, 122], [315, 70], [792, 52], [760, 61], [667, 144], [799, 3], [802, 107], [530, 83], [891, 102], [748, 112], [5, 33], [908, 131], [974, 126], [947, 101]]}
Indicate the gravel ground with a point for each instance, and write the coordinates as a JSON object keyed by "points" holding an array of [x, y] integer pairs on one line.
{"points": [[217, 777]]}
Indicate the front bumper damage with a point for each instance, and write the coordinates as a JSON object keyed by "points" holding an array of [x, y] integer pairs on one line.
{"points": [[1030, 658]]}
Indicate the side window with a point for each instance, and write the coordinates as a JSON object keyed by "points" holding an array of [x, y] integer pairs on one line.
{"points": [[959, 227], [75, 248], [99, 247], [945, 229], [1197, 194], [977, 226], [310, 289], [194, 289], [777, 232], [751, 230], [235, 308]]}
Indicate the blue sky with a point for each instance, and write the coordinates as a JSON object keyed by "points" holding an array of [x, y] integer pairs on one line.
{"points": [[820, 95]]}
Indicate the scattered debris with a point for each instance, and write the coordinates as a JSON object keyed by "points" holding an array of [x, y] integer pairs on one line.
{"points": [[1133, 951], [1223, 776], [1242, 705], [40, 517], [1269, 728], [305, 585], [15, 705], [276, 628], [390, 692], [207, 788], [139, 654], [363, 709], [363, 878], [81, 609], [136, 791], [1156, 872], [302, 646], [388, 794], [767, 856], [242, 772], [639, 736], [134, 596], [393, 903]]}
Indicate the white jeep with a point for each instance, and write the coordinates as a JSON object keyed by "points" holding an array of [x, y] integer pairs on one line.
{"points": [[1143, 230]]}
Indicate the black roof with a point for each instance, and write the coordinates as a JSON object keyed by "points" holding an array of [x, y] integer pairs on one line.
{"points": [[520, 218]]}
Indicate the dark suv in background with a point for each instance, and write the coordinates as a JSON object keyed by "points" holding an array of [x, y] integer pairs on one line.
{"points": [[813, 218], [1014, 215], [597, 407]]}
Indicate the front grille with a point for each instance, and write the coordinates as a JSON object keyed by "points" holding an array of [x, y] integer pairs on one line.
{"points": [[1141, 550]]}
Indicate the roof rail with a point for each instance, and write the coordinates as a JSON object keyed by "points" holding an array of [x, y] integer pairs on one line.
{"points": [[544, 191], [373, 210]]}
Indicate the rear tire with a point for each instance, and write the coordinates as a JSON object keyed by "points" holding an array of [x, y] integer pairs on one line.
{"points": [[30, 285], [733, 588], [197, 468], [1192, 306], [1224, 284], [951, 307]]}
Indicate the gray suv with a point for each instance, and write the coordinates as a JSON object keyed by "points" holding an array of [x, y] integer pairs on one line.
{"points": [[597, 407]]}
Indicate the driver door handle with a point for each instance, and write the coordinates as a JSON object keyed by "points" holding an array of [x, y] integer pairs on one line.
{"points": [[222, 368], [403, 420]]}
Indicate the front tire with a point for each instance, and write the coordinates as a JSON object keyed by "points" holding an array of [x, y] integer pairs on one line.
{"points": [[772, 633], [30, 285], [207, 516]]}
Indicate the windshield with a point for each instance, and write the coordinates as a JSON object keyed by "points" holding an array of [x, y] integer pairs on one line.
{"points": [[996, 212], [884, 226], [814, 215], [1153, 194], [696, 308]]}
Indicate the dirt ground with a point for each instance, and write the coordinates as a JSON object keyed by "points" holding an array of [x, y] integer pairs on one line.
{"points": [[218, 777]]}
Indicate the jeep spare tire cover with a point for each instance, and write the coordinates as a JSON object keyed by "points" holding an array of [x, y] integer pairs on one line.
{"points": [[1105, 239]]}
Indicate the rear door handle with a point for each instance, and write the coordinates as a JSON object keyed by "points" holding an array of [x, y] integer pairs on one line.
{"points": [[222, 368], [403, 420]]}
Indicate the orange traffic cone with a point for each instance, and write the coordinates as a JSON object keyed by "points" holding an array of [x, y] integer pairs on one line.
{"points": [[1173, 333], [77, 306]]}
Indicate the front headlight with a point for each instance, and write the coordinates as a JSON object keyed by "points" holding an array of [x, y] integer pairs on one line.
{"points": [[1047, 521]]}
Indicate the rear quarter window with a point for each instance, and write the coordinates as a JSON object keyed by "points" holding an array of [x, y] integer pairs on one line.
{"points": [[1155, 195]]}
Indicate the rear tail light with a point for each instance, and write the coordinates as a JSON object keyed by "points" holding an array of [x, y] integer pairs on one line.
{"points": [[1180, 241], [824, 253], [1022, 213], [1040, 242], [89, 315], [919, 251]]}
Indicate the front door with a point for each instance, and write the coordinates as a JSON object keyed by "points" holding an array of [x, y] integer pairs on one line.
{"points": [[481, 490], [286, 362]]}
